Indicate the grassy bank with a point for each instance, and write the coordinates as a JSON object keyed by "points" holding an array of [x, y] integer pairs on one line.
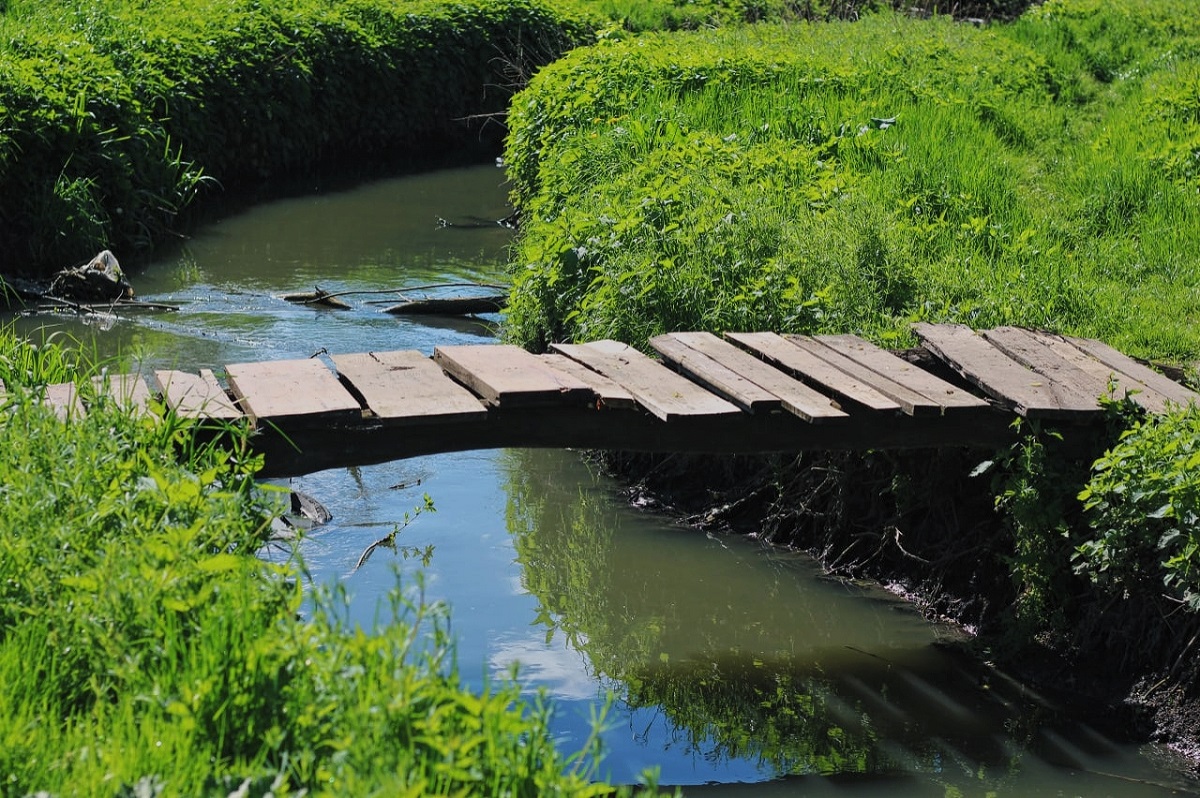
{"points": [[861, 177], [145, 649], [864, 176], [115, 115]]}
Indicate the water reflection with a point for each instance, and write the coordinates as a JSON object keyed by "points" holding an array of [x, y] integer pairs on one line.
{"points": [[750, 663]]}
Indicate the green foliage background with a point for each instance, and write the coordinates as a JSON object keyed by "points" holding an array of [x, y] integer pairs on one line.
{"points": [[113, 115], [862, 176]]}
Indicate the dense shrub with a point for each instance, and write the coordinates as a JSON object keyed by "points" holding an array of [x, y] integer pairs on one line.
{"points": [[862, 176], [113, 114]]}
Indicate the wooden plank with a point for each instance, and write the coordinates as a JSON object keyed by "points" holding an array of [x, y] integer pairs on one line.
{"points": [[1028, 393], [812, 369], [659, 390], [897, 369], [715, 376], [791, 394], [1171, 391], [290, 390], [64, 398], [609, 394], [129, 391], [509, 376], [407, 386], [911, 402], [193, 396], [1031, 351]]}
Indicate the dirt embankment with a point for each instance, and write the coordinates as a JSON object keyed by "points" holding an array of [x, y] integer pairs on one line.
{"points": [[919, 523]]}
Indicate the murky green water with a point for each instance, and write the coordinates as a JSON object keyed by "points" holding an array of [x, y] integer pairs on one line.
{"points": [[736, 669]]}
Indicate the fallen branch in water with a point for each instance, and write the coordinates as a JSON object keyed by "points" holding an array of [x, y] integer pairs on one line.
{"points": [[321, 295], [451, 306]]}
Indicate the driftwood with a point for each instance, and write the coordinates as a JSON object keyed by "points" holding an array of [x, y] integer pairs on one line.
{"points": [[451, 306], [318, 296]]}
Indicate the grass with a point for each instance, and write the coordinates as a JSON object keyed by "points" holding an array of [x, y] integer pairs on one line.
{"points": [[146, 650], [860, 177]]}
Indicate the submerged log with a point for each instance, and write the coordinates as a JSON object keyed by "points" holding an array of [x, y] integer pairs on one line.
{"points": [[451, 306], [318, 296]]}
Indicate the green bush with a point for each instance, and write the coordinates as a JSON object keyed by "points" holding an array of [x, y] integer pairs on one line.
{"points": [[114, 114], [859, 177], [1143, 512]]}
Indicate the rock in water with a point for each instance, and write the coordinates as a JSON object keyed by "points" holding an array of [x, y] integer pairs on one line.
{"points": [[100, 280]]}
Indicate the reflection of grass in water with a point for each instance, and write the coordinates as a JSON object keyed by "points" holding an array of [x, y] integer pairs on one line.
{"points": [[726, 686]]}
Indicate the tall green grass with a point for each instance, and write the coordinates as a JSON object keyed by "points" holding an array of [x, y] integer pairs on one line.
{"points": [[860, 177], [145, 648]]}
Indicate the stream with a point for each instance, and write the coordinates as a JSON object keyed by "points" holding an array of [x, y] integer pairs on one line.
{"points": [[734, 670]]}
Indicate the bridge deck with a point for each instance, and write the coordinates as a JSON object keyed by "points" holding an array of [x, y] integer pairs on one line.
{"points": [[746, 392]]}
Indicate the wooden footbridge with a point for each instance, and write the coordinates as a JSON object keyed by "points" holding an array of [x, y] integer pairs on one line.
{"points": [[743, 393]]}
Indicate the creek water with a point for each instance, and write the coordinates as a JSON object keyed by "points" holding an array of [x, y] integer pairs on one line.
{"points": [[733, 669]]}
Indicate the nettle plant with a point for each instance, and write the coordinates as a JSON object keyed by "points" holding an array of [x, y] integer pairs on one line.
{"points": [[1143, 510]]}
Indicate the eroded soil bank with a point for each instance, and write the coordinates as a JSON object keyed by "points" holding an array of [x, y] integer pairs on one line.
{"points": [[920, 523]]}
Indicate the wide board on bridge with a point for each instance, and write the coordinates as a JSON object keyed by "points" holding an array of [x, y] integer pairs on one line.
{"points": [[509, 376], [1138, 377], [1027, 392], [128, 391], [741, 377], [286, 391], [936, 396], [659, 390], [406, 386], [195, 396], [813, 370]]}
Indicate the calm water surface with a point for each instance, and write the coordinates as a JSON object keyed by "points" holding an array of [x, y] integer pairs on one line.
{"points": [[735, 670]]}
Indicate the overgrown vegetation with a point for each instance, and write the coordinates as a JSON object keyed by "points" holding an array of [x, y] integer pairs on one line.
{"points": [[860, 177], [113, 115], [835, 177], [146, 650]]}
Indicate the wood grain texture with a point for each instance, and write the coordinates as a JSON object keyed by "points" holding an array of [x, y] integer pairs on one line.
{"points": [[813, 370], [283, 391], [659, 390], [1012, 384], [949, 397], [714, 375], [787, 392], [193, 396], [508, 375], [1171, 391], [406, 386], [609, 395]]}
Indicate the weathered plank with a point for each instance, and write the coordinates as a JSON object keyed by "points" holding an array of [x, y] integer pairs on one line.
{"points": [[192, 396], [1033, 352], [659, 390], [727, 369], [1170, 391], [450, 306], [608, 394], [406, 386], [716, 376], [911, 402], [290, 390], [64, 398], [950, 397], [509, 376], [1028, 393], [812, 369], [129, 391]]}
